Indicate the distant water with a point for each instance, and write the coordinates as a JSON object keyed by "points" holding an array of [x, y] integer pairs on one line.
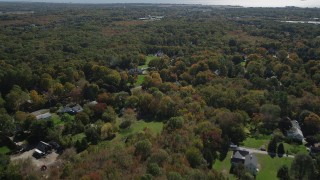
{"points": [[246, 3]]}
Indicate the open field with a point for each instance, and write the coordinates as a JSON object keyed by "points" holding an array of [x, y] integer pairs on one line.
{"points": [[255, 143]]}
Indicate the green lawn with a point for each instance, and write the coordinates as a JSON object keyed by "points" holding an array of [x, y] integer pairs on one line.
{"points": [[148, 59], [139, 80], [139, 126], [141, 77], [4, 150], [224, 166], [77, 137], [295, 148], [56, 119], [269, 166], [256, 143]]}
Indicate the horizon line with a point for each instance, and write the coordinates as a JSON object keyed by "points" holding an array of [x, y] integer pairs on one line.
{"points": [[113, 3]]}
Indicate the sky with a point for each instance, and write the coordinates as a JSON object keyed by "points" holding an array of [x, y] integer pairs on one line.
{"points": [[246, 3]]}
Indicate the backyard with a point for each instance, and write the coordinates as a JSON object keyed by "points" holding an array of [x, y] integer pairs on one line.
{"points": [[146, 65], [268, 166], [256, 143]]}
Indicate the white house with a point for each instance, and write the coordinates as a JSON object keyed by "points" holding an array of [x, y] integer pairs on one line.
{"points": [[295, 131]]}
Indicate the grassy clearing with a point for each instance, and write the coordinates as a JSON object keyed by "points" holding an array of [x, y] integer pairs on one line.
{"points": [[295, 148], [139, 126], [56, 119], [148, 59], [140, 80], [78, 137], [269, 166], [224, 166], [4, 150], [146, 65], [256, 142]]}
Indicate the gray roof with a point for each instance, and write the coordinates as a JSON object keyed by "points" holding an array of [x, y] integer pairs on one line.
{"points": [[251, 159], [237, 155], [242, 152], [43, 116]]}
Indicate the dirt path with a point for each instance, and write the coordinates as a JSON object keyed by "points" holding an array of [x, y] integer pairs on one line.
{"points": [[47, 160]]}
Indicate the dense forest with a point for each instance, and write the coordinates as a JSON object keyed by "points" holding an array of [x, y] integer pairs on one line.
{"points": [[165, 89]]}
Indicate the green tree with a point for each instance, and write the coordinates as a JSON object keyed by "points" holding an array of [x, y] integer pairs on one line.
{"points": [[302, 166], [2, 101], [153, 169], [311, 124], [194, 157], [280, 149], [174, 123], [109, 114], [107, 131], [83, 118], [6, 124], [272, 146], [174, 176], [283, 173], [16, 98], [92, 134], [143, 149], [90, 91], [81, 145]]}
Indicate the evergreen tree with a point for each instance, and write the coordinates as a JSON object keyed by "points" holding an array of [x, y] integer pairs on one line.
{"points": [[283, 172]]}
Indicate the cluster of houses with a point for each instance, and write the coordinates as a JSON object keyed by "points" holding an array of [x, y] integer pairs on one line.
{"points": [[44, 148], [151, 18], [45, 114]]}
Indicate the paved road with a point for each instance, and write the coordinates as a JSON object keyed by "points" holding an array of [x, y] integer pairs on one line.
{"points": [[257, 151]]}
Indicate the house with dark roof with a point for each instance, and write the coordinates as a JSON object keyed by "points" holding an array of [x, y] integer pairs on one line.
{"points": [[42, 149], [239, 156], [70, 109], [135, 71], [249, 160]]}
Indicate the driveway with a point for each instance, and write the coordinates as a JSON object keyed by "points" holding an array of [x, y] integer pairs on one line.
{"points": [[257, 151]]}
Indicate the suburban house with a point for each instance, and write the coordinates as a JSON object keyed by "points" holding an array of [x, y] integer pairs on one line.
{"points": [[42, 114], [42, 149], [246, 158], [251, 164], [70, 109], [295, 132]]}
